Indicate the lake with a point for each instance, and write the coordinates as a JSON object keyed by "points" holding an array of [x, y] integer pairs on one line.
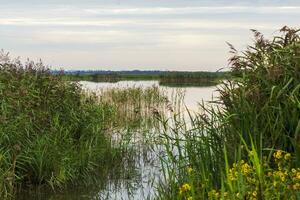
{"points": [[192, 95]]}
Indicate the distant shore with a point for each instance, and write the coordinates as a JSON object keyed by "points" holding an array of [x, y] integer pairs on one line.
{"points": [[168, 78]]}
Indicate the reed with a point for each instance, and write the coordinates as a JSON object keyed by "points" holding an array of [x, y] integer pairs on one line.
{"points": [[133, 106], [55, 134], [247, 147], [51, 133]]}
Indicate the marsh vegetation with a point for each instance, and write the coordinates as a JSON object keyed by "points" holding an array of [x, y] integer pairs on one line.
{"points": [[248, 146], [243, 144]]}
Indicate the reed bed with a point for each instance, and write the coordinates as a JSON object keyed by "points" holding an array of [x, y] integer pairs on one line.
{"points": [[133, 106], [50, 132], [55, 134], [248, 146]]}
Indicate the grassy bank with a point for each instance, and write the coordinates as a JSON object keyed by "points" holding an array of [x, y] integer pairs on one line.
{"points": [[248, 146]]}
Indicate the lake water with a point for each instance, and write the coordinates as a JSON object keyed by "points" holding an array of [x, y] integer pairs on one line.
{"points": [[147, 165], [192, 95]]}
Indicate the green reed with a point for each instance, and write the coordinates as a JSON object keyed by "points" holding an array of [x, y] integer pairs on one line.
{"points": [[51, 133], [257, 114], [134, 105], [55, 134]]}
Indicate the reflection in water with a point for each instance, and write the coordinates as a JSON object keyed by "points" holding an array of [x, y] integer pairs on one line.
{"points": [[143, 170]]}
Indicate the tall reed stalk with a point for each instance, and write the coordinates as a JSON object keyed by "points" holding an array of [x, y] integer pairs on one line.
{"points": [[247, 147], [50, 132]]}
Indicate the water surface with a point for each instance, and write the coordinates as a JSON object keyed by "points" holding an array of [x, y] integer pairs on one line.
{"points": [[192, 95]]}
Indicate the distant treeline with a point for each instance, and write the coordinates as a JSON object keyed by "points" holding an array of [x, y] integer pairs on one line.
{"points": [[175, 78], [103, 72], [191, 78]]}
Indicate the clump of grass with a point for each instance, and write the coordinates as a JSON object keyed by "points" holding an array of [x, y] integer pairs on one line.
{"points": [[258, 111], [133, 106], [50, 132]]}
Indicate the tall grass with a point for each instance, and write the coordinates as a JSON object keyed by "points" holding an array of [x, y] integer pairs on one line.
{"points": [[228, 153], [263, 99], [55, 134], [133, 106], [50, 133]]}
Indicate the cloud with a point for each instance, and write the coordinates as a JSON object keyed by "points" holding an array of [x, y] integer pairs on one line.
{"points": [[192, 10], [137, 33], [102, 10], [141, 24]]}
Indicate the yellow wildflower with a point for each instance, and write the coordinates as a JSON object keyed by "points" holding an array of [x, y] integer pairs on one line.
{"points": [[278, 154], [296, 186], [287, 156], [246, 168], [212, 194], [298, 175], [189, 198], [269, 174], [254, 194], [185, 187]]}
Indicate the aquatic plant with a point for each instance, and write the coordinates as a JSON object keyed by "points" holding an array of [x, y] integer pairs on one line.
{"points": [[50, 132], [133, 106], [263, 98], [258, 112]]}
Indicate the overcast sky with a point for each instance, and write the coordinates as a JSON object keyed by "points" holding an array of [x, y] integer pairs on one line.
{"points": [[137, 34]]}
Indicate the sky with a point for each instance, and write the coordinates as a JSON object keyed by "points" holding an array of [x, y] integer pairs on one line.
{"points": [[138, 34]]}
